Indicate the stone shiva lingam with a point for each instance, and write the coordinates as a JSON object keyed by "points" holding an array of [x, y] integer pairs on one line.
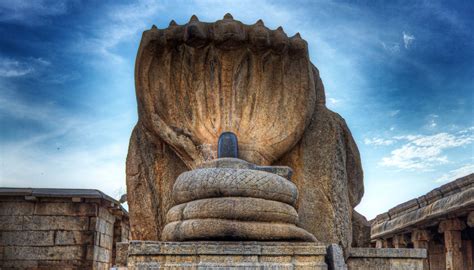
{"points": [[231, 199]]}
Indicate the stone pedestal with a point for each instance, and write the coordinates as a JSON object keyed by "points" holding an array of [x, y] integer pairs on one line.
{"points": [[225, 255]]}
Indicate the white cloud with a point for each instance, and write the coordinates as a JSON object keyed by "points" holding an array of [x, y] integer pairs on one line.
{"points": [[412, 157], [16, 68], [467, 130], [408, 39], [432, 123], [394, 113], [423, 152], [11, 106], [391, 47], [378, 141], [333, 101], [456, 173], [13, 68], [31, 12], [121, 23], [41, 61]]}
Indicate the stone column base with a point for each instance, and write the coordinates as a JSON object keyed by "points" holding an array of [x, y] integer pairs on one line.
{"points": [[225, 255]]}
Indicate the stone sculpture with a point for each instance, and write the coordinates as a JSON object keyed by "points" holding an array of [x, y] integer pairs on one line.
{"points": [[231, 199], [198, 80]]}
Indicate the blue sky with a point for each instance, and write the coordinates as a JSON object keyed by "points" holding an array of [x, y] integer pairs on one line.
{"points": [[400, 73]]}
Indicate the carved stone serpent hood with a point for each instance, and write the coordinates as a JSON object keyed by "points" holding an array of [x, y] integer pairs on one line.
{"points": [[197, 80]]}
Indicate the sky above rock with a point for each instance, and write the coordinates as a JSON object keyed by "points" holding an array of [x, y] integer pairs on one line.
{"points": [[399, 72]]}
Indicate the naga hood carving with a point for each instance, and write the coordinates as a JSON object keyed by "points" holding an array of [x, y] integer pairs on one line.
{"points": [[197, 80]]}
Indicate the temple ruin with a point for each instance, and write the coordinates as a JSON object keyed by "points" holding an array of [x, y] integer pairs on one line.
{"points": [[441, 221], [47, 228]]}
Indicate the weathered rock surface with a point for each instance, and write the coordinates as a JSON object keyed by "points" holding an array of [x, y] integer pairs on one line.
{"points": [[360, 230], [235, 163], [152, 168], [221, 229], [197, 80], [328, 174], [234, 208]]}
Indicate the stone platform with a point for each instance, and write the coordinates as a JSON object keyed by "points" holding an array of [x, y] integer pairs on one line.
{"points": [[262, 255], [225, 255], [386, 259]]}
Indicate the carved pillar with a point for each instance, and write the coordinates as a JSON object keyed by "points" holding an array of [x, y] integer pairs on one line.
{"points": [[453, 244], [379, 243], [467, 244], [470, 219], [400, 241], [421, 239], [467, 251], [387, 243]]}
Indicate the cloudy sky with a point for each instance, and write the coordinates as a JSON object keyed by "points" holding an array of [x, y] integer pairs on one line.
{"points": [[400, 73]]}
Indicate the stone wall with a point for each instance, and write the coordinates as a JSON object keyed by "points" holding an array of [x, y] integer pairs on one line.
{"points": [[61, 230], [263, 255], [386, 259], [225, 255]]}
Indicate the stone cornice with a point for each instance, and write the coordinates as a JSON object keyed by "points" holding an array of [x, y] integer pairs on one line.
{"points": [[454, 198]]}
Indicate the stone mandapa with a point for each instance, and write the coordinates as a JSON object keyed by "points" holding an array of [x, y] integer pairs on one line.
{"points": [[198, 80]]}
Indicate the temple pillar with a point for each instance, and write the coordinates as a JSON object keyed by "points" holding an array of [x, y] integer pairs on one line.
{"points": [[400, 241], [387, 243], [470, 219], [379, 243], [421, 239], [453, 243], [467, 251], [468, 245]]}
